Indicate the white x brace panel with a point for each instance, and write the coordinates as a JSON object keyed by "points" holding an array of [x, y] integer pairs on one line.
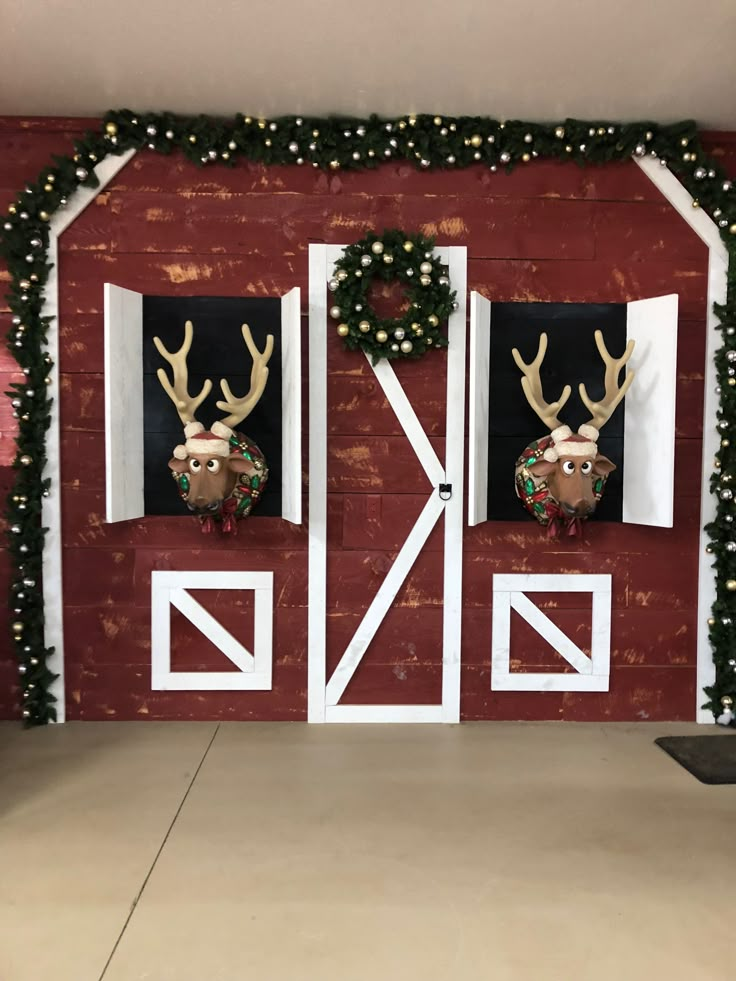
{"points": [[170, 589], [592, 672]]}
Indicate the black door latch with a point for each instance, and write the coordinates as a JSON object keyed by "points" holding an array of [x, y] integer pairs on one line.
{"points": [[445, 491]]}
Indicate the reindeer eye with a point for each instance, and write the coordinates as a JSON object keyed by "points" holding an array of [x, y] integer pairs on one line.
{"points": [[195, 466], [213, 466], [585, 468], [568, 467]]}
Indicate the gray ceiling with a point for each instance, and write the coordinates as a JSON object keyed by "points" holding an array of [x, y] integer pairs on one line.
{"points": [[530, 59]]}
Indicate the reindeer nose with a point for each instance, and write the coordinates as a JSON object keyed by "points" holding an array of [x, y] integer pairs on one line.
{"points": [[579, 509]]}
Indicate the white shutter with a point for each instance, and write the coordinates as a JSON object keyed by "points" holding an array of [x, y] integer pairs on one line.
{"points": [[649, 427], [291, 407], [480, 377], [123, 403]]}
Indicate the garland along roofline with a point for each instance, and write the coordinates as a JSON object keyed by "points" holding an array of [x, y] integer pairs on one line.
{"points": [[351, 143]]}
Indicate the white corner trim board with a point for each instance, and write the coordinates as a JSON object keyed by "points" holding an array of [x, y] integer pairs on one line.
{"points": [[682, 201], [51, 512], [592, 672], [255, 669]]}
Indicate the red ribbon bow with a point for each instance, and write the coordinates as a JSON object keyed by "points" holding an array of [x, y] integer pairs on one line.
{"points": [[226, 514], [559, 521]]}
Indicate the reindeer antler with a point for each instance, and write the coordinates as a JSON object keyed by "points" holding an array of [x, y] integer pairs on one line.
{"points": [[185, 405], [240, 408], [603, 410], [532, 385]]}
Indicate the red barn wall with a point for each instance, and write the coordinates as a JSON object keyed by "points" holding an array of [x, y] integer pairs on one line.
{"points": [[549, 232]]}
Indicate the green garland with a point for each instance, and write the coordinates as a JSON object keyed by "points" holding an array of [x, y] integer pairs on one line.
{"points": [[390, 256], [349, 143]]}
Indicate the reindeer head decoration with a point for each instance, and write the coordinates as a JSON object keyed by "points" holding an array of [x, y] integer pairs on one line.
{"points": [[561, 477], [220, 473]]}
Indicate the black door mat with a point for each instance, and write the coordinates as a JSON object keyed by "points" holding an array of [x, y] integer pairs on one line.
{"points": [[712, 759]]}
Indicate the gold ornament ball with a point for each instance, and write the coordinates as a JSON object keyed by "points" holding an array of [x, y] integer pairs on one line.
{"points": [[334, 164], [111, 128], [429, 340], [341, 275], [388, 259], [426, 268], [17, 627], [433, 320], [406, 347], [408, 246], [377, 248], [711, 621], [364, 327], [560, 132], [192, 138], [420, 332], [425, 280], [343, 330], [476, 139], [526, 157], [381, 336], [727, 701], [732, 229], [26, 460], [438, 120], [415, 326], [261, 124], [732, 381], [44, 215], [731, 585], [335, 313], [48, 187]]}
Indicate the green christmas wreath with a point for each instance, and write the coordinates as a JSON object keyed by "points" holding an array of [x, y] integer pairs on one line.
{"points": [[393, 255]]}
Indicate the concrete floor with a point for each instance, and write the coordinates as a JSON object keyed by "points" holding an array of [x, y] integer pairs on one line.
{"points": [[282, 852]]}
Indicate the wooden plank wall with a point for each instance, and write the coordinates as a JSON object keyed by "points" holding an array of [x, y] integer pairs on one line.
{"points": [[547, 232]]}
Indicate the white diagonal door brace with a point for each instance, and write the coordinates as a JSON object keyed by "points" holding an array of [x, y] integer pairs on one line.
{"points": [[412, 546], [384, 598]]}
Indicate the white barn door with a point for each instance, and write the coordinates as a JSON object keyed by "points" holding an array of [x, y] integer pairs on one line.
{"points": [[324, 693]]}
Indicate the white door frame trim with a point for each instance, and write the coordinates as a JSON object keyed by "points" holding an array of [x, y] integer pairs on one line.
{"points": [[53, 595], [323, 696], [704, 226]]}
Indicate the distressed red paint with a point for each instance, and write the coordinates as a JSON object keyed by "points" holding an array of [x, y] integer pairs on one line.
{"points": [[548, 232]]}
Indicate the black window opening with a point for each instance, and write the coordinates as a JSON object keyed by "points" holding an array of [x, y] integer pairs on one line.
{"points": [[218, 351], [572, 357]]}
